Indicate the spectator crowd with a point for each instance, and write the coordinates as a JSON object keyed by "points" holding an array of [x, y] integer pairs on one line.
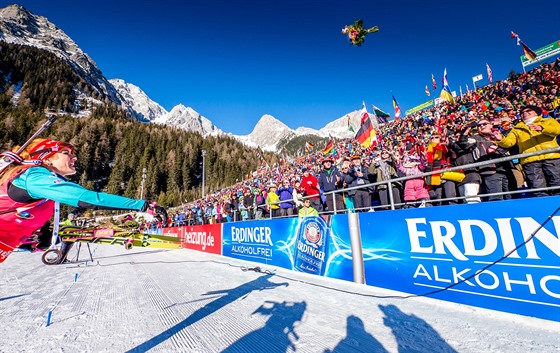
{"points": [[517, 115]]}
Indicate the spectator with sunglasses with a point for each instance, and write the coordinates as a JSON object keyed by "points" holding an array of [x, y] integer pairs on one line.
{"points": [[495, 177]]}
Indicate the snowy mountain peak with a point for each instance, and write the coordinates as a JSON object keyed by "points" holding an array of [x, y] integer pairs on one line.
{"points": [[187, 118], [16, 11], [268, 132], [20, 26], [269, 122], [145, 109]]}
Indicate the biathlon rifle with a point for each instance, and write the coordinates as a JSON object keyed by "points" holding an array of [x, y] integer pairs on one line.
{"points": [[6, 161]]}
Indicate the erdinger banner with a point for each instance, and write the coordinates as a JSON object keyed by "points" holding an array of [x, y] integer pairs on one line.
{"points": [[424, 250], [264, 241], [299, 244]]}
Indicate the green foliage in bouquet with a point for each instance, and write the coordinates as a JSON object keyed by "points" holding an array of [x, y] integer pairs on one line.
{"points": [[356, 32]]}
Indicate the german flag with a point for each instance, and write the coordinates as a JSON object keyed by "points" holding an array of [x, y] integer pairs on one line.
{"points": [[308, 147], [329, 147], [531, 55], [366, 135]]}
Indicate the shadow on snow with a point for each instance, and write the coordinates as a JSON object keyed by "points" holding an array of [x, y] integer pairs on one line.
{"points": [[228, 297]]}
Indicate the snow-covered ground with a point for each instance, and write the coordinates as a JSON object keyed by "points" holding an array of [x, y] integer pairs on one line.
{"points": [[185, 301]]}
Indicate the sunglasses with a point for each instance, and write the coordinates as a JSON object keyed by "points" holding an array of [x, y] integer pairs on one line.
{"points": [[483, 124]]}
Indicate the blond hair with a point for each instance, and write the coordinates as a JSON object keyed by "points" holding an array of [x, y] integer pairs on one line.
{"points": [[15, 169]]}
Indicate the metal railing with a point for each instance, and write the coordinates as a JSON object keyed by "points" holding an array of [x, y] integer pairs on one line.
{"points": [[389, 183], [389, 186]]}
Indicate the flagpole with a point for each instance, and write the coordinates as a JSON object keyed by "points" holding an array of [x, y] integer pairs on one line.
{"points": [[474, 84]]}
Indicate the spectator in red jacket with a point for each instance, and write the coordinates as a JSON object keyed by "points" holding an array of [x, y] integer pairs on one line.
{"points": [[312, 190]]}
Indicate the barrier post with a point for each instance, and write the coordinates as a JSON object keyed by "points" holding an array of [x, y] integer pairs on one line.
{"points": [[356, 246]]}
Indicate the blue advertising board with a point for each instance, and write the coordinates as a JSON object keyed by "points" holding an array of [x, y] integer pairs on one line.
{"points": [[427, 250], [265, 241], [453, 253], [298, 244]]}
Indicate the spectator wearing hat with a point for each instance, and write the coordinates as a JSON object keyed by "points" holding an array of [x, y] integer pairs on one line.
{"points": [[70, 221], [495, 177], [311, 189], [208, 210], [243, 211], [260, 203], [330, 179], [298, 195], [229, 209], [359, 176], [273, 201], [462, 146], [535, 133], [383, 169], [218, 211], [347, 180], [437, 158], [285, 193], [248, 202]]}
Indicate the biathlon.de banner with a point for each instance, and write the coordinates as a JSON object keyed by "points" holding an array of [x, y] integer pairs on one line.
{"points": [[542, 53], [420, 107]]}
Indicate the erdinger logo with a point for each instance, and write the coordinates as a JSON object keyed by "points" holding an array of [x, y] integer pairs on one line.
{"points": [[312, 234]]}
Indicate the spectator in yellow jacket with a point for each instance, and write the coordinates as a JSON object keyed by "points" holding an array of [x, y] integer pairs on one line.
{"points": [[535, 133], [307, 210], [273, 200]]}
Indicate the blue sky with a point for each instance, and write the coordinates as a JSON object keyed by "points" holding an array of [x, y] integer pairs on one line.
{"points": [[234, 61]]}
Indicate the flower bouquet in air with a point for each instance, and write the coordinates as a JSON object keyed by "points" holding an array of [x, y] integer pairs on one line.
{"points": [[356, 32]]}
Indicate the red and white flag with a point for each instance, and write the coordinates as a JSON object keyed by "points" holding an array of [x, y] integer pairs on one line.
{"points": [[529, 53], [489, 72]]}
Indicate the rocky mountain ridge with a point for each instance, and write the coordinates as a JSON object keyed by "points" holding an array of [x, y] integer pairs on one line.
{"points": [[20, 26]]}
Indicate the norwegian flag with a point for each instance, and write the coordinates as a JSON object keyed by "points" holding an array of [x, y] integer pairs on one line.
{"points": [[434, 83]]}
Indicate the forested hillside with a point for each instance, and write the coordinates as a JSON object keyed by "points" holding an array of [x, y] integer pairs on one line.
{"points": [[112, 148]]}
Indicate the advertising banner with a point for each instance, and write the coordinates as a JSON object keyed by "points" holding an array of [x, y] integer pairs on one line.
{"points": [[299, 244], [206, 238], [339, 260], [264, 241], [542, 53], [154, 231], [172, 232], [426, 250], [420, 107]]}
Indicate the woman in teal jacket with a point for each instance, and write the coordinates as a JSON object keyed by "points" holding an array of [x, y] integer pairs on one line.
{"points": [[31, 185]]}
